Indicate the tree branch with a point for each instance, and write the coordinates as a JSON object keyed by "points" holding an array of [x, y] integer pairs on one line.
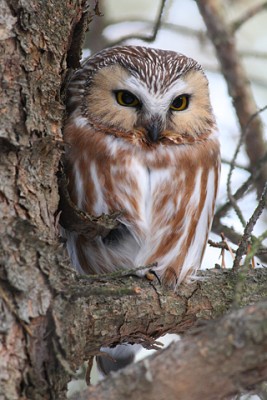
{"points": [[243, 246], [149, 39], [231, 352], [149, 312], [256, 9]]}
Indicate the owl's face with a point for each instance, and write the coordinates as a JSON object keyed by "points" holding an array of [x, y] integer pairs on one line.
{"points": [[148, 94]]}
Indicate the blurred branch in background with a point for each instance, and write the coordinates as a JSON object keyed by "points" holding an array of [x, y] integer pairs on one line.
{"points": [[251, 12], [239, 88], [146, 38]]}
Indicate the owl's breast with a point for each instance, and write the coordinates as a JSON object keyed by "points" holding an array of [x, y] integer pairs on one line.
{"points": [[140, 191]]}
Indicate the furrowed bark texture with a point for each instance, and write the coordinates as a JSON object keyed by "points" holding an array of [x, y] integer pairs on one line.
{"points": [[34, 40], [222, 37], [216, 362], [133, 310]]}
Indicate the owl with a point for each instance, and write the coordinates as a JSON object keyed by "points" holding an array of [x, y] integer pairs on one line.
{"points": [[142, 140]]}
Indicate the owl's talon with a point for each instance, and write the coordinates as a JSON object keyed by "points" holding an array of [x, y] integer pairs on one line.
{"points": [[149, 276], [152, 275]]}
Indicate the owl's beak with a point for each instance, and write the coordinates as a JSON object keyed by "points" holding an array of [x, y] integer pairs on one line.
{"points": [[154, 130]]}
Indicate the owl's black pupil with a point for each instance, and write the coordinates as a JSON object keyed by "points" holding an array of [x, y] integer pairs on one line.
{"points": [[177, 102], [127, 98]]}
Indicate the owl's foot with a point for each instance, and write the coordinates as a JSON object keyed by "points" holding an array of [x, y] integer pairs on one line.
{"points": [[152, 276], [168, 279]]}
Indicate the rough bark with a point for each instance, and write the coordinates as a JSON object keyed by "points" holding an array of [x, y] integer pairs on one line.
{"points": [[133, 310], [35, 39], [218, 361]]}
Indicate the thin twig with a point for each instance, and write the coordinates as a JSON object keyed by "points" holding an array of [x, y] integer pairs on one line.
{"points": [[233, 164], [235, 237], [158, 22], [184, 30], [221, 212], [220, 245], [151, 37], [253, 54], [244, 188], [228, 184], [248, 230], [119, 273], [224, 161], [248, 15]]}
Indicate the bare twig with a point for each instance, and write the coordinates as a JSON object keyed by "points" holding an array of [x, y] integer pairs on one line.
{"points": [[221, 212], [256, 9], [253, 54], [220, 245], [118, 274], [230, 196], [233, 164], [184, 30], [149, 39], [248, 230], [235, 237], [244, 188], [237, 165]]}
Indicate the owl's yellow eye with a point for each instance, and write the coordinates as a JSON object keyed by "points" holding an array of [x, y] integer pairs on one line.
{"points": [[180, 103], [126, 98]]}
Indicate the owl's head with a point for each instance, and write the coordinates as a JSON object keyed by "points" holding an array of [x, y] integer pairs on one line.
{"points": [[143, 95]]}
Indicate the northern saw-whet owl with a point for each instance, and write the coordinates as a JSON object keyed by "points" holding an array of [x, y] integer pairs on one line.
{"points": [[142, 140]]}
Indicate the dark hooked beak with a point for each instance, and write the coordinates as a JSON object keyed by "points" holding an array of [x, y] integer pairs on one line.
{"points": [[154, 129]]}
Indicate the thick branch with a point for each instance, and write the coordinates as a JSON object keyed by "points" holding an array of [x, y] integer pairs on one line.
{"points": [[230, 353], [99, 313]]}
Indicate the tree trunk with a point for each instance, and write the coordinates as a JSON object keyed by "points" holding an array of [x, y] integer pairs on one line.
{"points": [[36, 38]]}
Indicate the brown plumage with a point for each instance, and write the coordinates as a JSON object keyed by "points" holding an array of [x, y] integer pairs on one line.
{"points": [[142, 140]]}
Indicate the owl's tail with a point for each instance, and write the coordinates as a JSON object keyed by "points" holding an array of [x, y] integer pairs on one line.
{"points": [[116, 358]]}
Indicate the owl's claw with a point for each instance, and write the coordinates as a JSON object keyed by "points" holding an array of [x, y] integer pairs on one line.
{"points": [[151, 275]]}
